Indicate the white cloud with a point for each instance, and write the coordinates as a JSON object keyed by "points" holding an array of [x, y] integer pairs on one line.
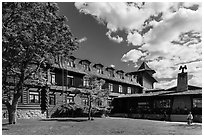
{"points": [[113, 66], [116, 39], [133, 55], [155, 46], [165, 84], [135, 38], [82, 39]]}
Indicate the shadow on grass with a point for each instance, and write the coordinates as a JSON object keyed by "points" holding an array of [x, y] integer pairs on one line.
{"points": [[5, 129], [5, 124], [67, 120]]}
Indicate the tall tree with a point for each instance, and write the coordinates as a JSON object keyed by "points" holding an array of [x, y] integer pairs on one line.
{"points": [[95, 92], [33, 34]]}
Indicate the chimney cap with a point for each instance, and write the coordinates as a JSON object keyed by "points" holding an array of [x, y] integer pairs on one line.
{"points": [[182, 68]]}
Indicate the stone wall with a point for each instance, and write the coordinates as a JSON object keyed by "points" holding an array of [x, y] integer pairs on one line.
{"points": [[26, 114]]}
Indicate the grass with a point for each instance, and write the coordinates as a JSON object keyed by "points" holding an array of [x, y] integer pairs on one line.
{"points": [[99, 126]]}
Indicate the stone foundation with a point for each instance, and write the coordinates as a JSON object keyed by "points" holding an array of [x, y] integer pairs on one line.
{"points": [[25, 114]]}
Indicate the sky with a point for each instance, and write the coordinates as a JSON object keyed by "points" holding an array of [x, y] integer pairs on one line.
{"points": [[123, 35]]}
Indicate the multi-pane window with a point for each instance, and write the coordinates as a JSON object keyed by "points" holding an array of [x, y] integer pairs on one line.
{"points": [[129, 90], [52, 99], [71, 63], [34, 97], [85, 101], [85, 66], [70, 80], [86, 82], [99, 70], [110, 87], [121, 75], [163, 103], [52, 78], [70, 100], [197, 103], [120, 89], [110, 74]]}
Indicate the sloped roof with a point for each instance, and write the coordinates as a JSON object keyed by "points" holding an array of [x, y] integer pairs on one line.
{"points": [[163, 93], [144, 66], [190, 87]]}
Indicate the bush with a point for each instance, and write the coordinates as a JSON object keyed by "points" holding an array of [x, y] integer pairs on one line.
{"points": [[68, 110]]}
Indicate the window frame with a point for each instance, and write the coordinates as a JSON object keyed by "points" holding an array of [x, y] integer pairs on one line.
{"points": [[110, 87], [129, 90], [120, 90], [50, 99], [36, 94], [53, 78]]}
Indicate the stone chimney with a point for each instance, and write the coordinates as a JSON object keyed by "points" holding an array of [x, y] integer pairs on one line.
{"points": [[182, 80]]}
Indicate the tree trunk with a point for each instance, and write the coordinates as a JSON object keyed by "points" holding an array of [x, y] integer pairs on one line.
{"points": [[12, 115], [89, 115], [12, 107]]}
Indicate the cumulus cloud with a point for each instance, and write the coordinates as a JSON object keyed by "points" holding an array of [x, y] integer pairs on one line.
{"points": [[132, 55], [165, 84], [116, 39], [135, 38], [167, 22]]}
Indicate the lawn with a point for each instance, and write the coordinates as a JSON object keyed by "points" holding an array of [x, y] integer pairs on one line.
{"points": [[99, 126]]}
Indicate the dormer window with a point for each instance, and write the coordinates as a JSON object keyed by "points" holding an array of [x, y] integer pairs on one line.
{"points": [[71, 61], [99, 68], [121, 74], [110, 71], [85, 64], [129, 77]]}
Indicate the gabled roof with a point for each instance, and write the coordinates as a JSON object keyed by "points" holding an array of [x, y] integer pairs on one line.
{"points": [[111, 68], [99, 64], [144, 67], [85, 60], [119, 71]]}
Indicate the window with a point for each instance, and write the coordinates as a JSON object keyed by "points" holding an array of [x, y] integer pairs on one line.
{"points": [[100, 86], [70, 100], [86, 82], [110, 87], [52, 99], [129, 90], [34, 97], [197, 103], [85, 101], [85, 66], [99, 70], [120, 89], [163, 103], [99, 103], [110, 74], [71, 63], [20, 99], [70, 81], [121, 75], [52, 78]]}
